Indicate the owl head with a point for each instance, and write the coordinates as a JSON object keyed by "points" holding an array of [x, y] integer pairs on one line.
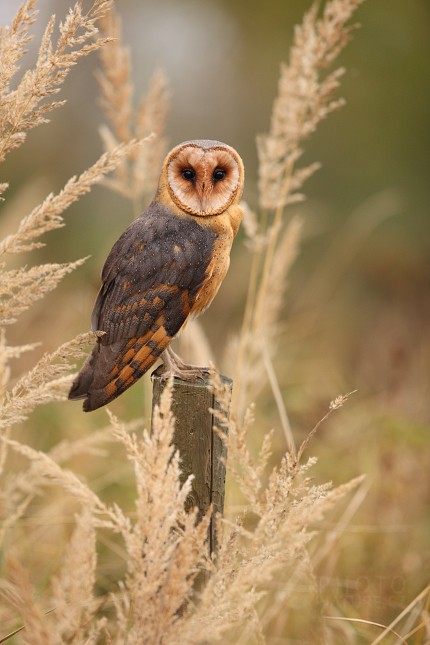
{"points": [[203, 177]]}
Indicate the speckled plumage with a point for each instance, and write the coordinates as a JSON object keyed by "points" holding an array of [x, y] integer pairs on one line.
{"points": [[165, 269]]}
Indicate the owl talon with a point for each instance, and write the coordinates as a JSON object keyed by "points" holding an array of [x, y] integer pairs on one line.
{"points": [[174, 366], [183, 375], [159, 371], [180, 365]]}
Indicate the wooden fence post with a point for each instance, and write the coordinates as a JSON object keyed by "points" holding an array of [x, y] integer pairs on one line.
{"points": [[201, 450]]}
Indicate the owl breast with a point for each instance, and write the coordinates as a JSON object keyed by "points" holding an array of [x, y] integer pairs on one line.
{"points": [[215, 274], [224, 227]]}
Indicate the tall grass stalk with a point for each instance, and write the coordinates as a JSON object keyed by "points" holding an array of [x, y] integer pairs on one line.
{"points": [[305, 97]]}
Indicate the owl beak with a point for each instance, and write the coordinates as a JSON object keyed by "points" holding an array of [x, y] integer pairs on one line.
{"points": [[204, 203]]}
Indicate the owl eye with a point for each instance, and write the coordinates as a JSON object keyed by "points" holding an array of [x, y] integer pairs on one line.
{"points": [[188, 174], [218, 175]]}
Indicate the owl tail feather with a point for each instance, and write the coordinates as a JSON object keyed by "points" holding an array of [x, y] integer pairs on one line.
{"points": [[90, 384], [105, 375]]}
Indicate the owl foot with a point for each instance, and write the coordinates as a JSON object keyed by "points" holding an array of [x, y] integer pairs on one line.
{"points": [[184, 366], [175, 366]]}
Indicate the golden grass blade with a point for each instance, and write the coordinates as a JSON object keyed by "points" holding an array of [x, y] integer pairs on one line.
{"points": [[115, 80], [268, 260], [44, 382], [137, 177], [303, 100], [47, 216], [6, 638], [10, 521], [21, 288], [264, 335], [367, 622], [20, 108], [247, 319], [73, 587], [279, 401], [342, 523], [401, 615], [425, 623], [334, 405], [416, 630]]}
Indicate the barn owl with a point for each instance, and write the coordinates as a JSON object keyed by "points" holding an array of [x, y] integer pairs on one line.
{"points": [[164, 270]]}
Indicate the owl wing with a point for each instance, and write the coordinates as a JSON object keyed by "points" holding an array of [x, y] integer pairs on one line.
{"points": [[151, 280]]}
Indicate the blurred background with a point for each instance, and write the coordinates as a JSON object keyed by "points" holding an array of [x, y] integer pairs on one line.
{"points": [[357, 311]]}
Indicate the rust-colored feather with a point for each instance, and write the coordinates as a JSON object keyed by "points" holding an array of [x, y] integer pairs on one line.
{"points": [[132, 361]]}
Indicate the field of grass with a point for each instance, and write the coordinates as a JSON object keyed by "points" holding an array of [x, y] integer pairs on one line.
{"points": [[326, 537]]}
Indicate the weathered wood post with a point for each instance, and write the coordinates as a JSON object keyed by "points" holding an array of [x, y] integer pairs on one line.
{"points": [[202, 451]]}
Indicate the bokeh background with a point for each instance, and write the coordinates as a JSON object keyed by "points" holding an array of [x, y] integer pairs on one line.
{"points": [[357, 312]]}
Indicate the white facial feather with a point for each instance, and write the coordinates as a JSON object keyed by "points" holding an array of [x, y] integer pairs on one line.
{"points": [[203, 195]]}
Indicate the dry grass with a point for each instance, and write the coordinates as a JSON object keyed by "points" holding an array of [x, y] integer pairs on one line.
{"points": [[305, 98], [137, 177], [264, 557]]}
